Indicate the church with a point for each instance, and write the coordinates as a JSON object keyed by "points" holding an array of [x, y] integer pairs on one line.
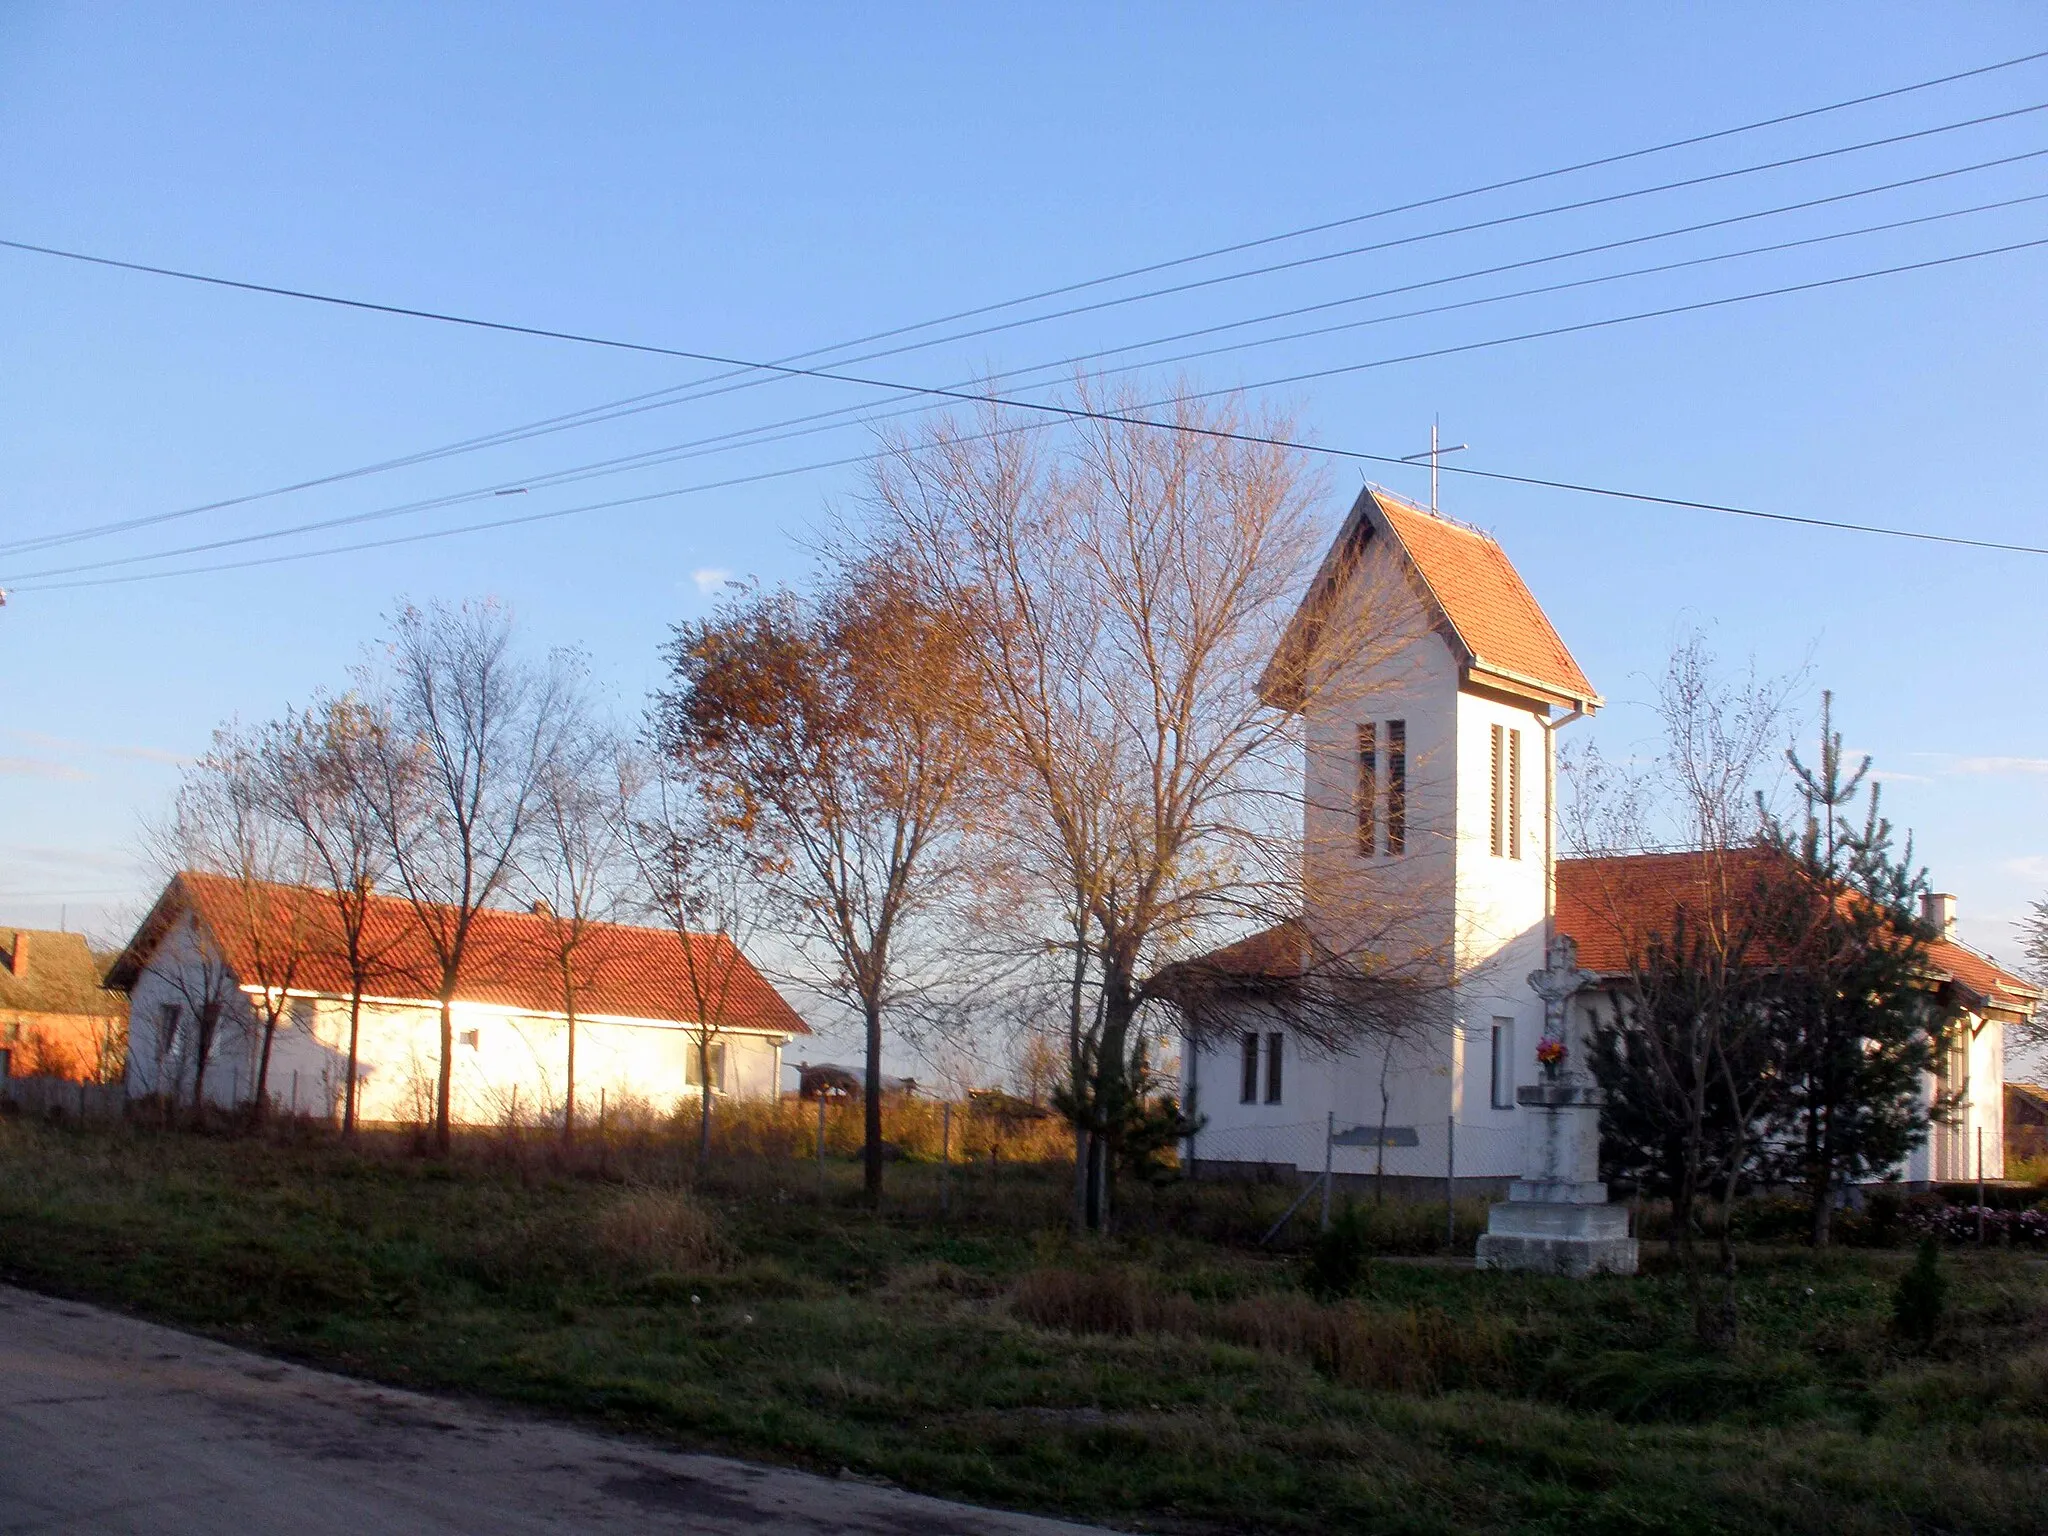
{"points": [[1432, 689]]}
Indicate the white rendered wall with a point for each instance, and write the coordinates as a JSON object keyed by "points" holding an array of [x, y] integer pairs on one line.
{"points": [[517, 1059]]}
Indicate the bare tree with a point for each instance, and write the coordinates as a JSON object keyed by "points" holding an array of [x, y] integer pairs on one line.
{"points": [[250, 867], [832, 740], [323, 772], [1682, 1047], [2032, 1032], [695, 878], [460, 778], [1120, 594], [578, 872]]}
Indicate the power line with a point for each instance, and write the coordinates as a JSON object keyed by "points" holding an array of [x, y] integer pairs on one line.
{"points": [[1443, 198], [783, 368], [835, 419], [786, 370], [1080, 413]]}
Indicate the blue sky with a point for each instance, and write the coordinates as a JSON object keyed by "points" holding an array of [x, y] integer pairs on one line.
{"points": [[761, 181]]}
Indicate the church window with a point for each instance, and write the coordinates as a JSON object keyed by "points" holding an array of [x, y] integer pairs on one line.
{"points": [[1248, 1082], [1503, 1088], [168, 1016], [1397, 786], [1273, 1067], [1368, 788], [1496, 805], [1514, 794]]}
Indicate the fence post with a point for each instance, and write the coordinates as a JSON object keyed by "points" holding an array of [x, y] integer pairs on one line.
{"points": [[1450, 1180], [1329, 1150], [1980, 1186], [945, 1156], [821, 1146]]}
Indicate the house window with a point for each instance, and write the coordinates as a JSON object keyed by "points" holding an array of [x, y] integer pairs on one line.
{"points": [[1397, 786], [695, 1061], [1273, 1067], [1514, 794], [302, 1014], [1497, 808], [1503, 1090], [1368, 788], [1248, 1076], [467, 1037]]}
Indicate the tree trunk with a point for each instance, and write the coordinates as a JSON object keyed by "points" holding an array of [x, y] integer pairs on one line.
{"points": [[260, 1107], [871, 1173], [207, 1024], [443, 1137], [355, 1020], [569, 1082], [1110, 1088], [704, 1103], [1820, 1177], [1081, 1142]]}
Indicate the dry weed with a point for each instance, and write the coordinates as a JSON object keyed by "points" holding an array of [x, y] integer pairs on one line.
{"points": [[1412, 1349], [650, 1229]]}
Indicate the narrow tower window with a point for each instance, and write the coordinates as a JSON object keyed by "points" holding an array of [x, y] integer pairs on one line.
{"points": [[1503, 1094], [1495, 806], [1397, 786], [1368, 788], [1514, 794]]}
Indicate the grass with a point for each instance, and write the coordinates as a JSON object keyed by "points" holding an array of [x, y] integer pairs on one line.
{"points": [[1173, 1378]]}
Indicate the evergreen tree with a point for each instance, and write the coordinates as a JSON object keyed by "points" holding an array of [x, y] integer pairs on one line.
{"points": [[1856, 1027]]}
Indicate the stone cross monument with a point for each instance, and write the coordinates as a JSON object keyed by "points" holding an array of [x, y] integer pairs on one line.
{"points": [[1556, 1218]]}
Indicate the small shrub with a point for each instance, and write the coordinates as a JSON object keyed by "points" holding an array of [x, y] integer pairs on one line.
{"points": [[1339, 1260], [1921, 1295]]}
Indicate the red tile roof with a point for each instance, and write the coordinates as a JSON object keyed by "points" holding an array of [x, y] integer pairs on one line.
{"points": [[1481, 604], [1609, 903], [1496, 617], [620, 971]]}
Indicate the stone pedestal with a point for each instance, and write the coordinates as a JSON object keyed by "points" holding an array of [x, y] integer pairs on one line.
{"points": [[1556, 1219]]}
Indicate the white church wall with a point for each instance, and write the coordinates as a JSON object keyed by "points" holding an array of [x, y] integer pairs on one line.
{"points": [[1500, 914]]}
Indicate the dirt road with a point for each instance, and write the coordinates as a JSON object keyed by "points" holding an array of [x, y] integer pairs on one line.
{"points": [[112, 1425]]}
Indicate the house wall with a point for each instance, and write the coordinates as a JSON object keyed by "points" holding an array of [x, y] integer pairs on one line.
{"points": [[81, 1047], [516, 1059], [1952, 1150]]}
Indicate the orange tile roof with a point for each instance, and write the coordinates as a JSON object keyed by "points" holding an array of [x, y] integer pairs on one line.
{"points": [[1497, 619], [621, 971], [1609, 903], [1481, 604]]}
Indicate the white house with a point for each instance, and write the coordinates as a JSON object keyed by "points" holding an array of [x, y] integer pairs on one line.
{"points": [[211, 942], [1430, 816]]}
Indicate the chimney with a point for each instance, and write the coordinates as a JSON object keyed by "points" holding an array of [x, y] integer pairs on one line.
{"points": [[1938, 908], [17, 963], [542, 909]]}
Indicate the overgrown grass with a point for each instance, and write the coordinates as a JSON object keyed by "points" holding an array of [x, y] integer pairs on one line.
{"points": [[1174, 1377]]}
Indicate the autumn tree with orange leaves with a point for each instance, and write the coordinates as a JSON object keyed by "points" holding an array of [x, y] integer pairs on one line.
{"points": [[830, 738]]}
